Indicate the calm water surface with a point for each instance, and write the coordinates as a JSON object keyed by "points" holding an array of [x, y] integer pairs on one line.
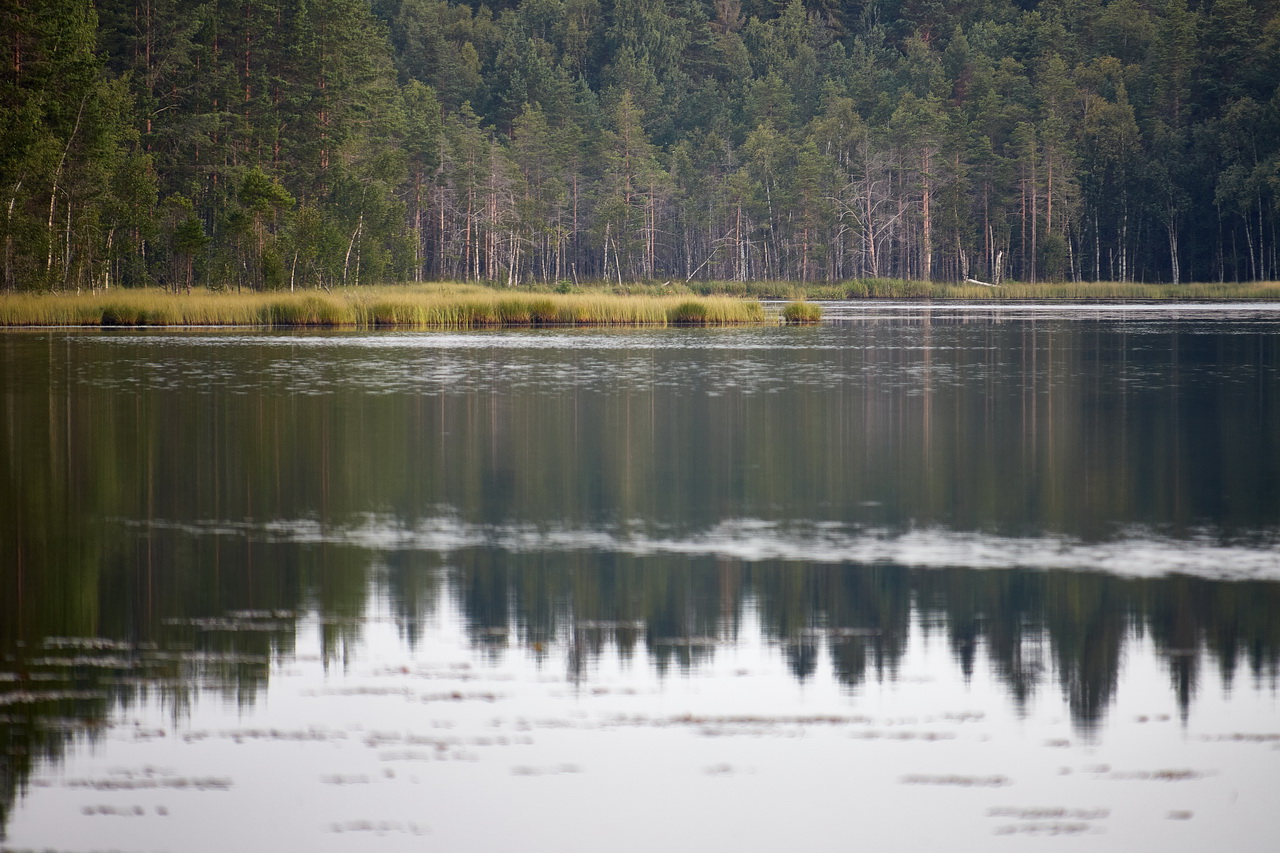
{"points": [[976, 577]]}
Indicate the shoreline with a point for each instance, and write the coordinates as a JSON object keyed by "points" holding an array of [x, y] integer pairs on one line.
{"points": [[406, 306], [470, 306]]}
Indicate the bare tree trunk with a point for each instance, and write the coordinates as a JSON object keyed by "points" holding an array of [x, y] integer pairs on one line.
{"points": [[8, 235], [466, 252], [57, 176], [1035, 217], [355, 235], [605, 261], [926, 242], [1048, 211]]}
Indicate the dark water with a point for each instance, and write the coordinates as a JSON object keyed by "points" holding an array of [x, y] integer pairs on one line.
{"points": [[1016, 570]]}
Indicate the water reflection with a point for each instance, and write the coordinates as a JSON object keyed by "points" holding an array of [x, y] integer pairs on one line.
{"points": [[1042, 496], [1036, 630]]}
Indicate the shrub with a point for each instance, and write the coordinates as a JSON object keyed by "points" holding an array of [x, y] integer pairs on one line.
{"points": [[802, 312]]}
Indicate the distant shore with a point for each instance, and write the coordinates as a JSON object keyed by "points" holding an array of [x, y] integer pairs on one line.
{"points": [[454, 306], [885, 288]]}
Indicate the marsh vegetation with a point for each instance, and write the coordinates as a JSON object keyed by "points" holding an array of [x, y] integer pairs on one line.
{"points": [[421, 307]]}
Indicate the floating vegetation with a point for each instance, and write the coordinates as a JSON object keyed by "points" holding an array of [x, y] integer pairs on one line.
{"points": [[210, 657], [404, 693], [379, 827], [876, 734], [1048, 821], [1054, 828], [1247, 737], [114, 811], [1158, 775], [362, 690], [218, 623], [94, 643], [27, 697], [965, 716], [265, 614], [957, 781], [108, 662], [1056, 813], [554, 770], [408, 755], [452, 673], [750, 719], [132, 782], [308, 735]]}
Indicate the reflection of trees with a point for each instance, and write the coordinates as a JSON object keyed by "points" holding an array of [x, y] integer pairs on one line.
{"points": [[219, 628], [1189, 615], [1002, 427], [412, 583], [29, 735], [1087, 618], [1032, 627], [595, 602], [862, 612]]}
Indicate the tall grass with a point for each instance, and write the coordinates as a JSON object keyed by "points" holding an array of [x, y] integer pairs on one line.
{"points": [[422, 307], [802, 313], [886, 288], [1087, 290], [459, 306]]}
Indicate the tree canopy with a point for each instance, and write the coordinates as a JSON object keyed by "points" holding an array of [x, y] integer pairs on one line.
{"points": [[309, 143]]}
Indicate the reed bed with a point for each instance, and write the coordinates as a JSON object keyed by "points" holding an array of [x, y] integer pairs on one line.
{"points": [[1063, 291], [802, 313], [461, 306], [420, 307], [884, 288]]}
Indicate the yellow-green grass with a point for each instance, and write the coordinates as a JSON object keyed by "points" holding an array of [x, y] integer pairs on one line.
{"points": [[1069, 291], [408, 306], [473, 306], [883, 288], [801, 312]]}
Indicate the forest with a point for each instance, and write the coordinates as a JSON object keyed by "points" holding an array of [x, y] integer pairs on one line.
{"points": [[286, 144]]}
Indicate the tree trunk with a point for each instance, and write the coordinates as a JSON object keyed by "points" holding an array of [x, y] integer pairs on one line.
{"points": [[926, 241]]}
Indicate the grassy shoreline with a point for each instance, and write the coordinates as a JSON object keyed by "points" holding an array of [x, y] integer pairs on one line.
{"points": [[1009, 291], [462, 306], [407, 306]]}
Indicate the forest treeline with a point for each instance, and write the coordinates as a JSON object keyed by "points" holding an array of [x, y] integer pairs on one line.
{"points": [[272, 144]]}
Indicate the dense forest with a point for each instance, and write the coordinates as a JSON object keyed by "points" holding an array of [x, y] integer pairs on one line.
{"points": [[300, 143]]}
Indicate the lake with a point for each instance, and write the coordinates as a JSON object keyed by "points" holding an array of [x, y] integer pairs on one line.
{"points": [[916, 577]]}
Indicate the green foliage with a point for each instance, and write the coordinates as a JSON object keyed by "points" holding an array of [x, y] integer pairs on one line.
{"points": [[688, 314], [340, 142], [306, 311], [801, 313]]}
